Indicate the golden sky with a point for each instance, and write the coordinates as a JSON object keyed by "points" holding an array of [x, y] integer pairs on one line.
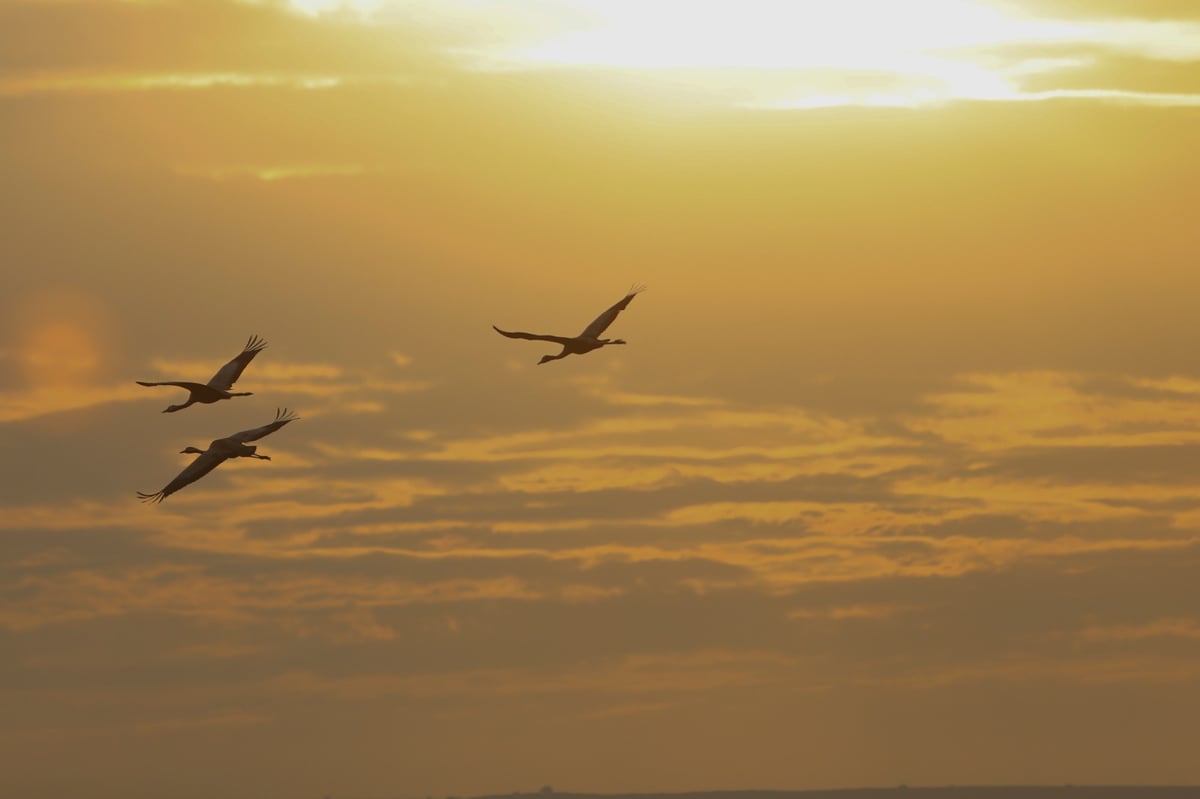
{"points": [[897, 481]]}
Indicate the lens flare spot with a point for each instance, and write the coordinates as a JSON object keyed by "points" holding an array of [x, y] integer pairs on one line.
{"points": [[62, 339]]}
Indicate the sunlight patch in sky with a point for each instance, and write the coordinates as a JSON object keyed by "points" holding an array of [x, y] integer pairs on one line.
{"points": [[807, 53], [739, 50], [315, 8], [778, 34]]}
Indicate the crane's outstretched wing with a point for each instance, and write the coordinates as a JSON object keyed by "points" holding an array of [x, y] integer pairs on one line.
{"points": [[533, 336], [282, 417], [180, 383], [202, 465], [228, 374], [601, 322]]}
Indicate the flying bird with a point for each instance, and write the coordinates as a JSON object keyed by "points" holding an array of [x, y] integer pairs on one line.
{"points": [[586, 341], [219, 451], [218, 388]]}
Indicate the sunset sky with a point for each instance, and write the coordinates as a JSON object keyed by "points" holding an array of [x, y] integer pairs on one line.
{"points": [[897, 480]]}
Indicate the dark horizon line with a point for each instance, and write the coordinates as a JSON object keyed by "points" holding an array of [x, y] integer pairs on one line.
{"points": [[1026, 791]]}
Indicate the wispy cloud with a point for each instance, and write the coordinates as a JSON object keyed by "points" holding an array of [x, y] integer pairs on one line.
{"points": [[48, 83], [1161, 628], [34, 402], [688, 673], [48, 735]]}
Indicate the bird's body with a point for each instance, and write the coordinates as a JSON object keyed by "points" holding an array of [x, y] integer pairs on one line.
{"points": [[586, 341], [219, 451], [221, 385]]}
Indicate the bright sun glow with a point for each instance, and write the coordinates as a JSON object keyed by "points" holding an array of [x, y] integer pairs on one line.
{"points": [[797, 52], [790, 53], [857, 34], [313, 8]]}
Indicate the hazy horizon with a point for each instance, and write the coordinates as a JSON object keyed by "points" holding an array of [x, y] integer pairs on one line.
{"points": [[896, 480]]}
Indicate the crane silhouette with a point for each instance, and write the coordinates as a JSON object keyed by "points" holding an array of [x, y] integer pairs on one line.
{"points": [[586, 341], [219, 451], [218, 388]]}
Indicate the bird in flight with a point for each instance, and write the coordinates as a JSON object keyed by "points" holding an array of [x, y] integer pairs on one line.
{"points": [[218, 388], [586, 341], [219, 451]]}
